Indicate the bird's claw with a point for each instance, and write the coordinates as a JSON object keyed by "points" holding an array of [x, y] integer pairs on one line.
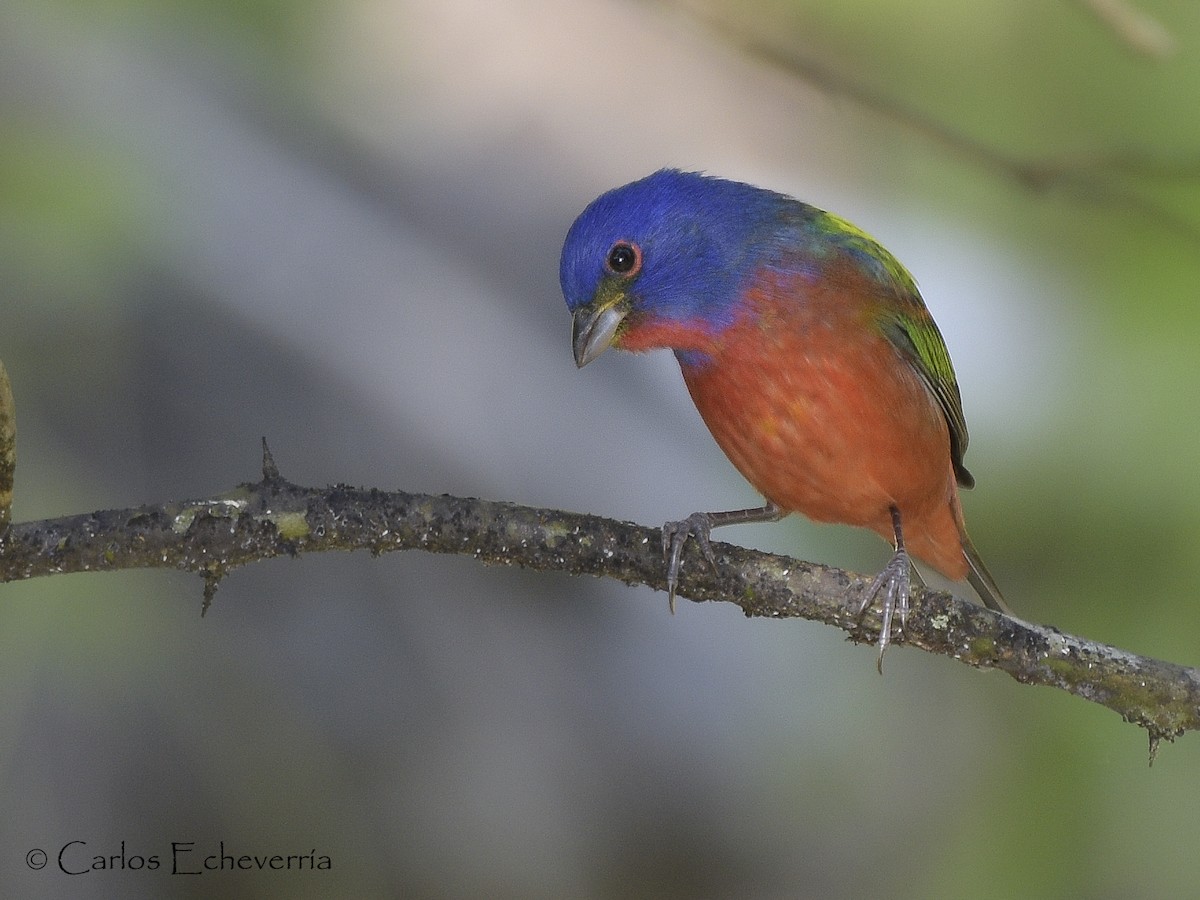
{"points": [[674, 536], [893, 586]]}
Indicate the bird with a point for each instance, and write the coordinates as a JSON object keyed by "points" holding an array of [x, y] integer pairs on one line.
{"points": [[809, 354]]}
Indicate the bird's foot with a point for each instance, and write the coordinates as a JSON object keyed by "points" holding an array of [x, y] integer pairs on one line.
{"points": [[674, 535], [893, 586]]}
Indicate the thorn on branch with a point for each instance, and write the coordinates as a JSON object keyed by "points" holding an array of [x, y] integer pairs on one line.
{"points": [[212, 579], [270, 471]]}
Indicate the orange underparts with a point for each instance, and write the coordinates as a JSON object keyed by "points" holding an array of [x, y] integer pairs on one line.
{"points": [[821, 414]]}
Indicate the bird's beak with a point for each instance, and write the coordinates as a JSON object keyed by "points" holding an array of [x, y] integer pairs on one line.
{"points": [[595, 326]]}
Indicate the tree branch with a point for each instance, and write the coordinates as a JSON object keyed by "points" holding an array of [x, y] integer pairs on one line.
{"points": [[274, 517], [8, 447]]}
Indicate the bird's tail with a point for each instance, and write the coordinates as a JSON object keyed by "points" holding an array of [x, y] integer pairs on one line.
{"points": [[981, 579]]}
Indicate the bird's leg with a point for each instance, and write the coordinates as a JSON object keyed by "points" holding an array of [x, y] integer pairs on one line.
{"points": [[895, 583], [699, 525]]}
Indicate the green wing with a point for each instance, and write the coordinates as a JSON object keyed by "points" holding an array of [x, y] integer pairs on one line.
{"points": [[920, 343], [907, 325]]}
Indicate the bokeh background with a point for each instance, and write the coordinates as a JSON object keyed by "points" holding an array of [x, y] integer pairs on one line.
{"points": [[337, 224]]}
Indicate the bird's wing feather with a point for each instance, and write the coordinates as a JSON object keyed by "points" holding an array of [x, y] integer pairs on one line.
{"points": [[919, 342], [908, 327]]}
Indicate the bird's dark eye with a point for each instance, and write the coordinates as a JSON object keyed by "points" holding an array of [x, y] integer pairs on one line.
{"points": [[624, 258]]}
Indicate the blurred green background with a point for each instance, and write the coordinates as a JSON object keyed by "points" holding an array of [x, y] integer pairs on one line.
{"points": [[337, 224]]}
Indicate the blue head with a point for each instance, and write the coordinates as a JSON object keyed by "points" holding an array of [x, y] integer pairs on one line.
{"points": [[674, 248]]}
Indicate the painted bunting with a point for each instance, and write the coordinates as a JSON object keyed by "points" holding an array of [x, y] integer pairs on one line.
{"points": [[808, 353]]}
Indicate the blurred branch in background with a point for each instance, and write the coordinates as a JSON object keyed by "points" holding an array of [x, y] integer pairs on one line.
{"points": [[1094, 179], [275, 517], [1136, 29]]}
